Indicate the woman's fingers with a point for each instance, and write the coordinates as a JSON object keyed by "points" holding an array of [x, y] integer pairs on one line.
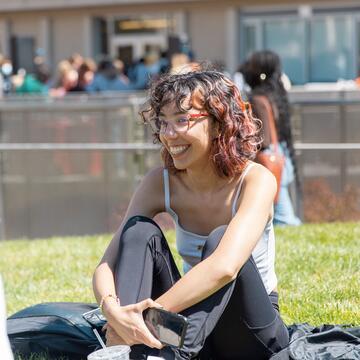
{"points": [[131, 326], [157, 305], [148, 339], [147, 303], [112, 338]]}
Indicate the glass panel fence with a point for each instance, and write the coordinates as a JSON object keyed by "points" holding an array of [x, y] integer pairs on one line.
{"points": [[70, 168]]}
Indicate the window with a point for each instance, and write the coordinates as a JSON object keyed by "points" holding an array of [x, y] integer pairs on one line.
{"points": [[331, 54], [287, 38], [250, 39], [319, 49]]}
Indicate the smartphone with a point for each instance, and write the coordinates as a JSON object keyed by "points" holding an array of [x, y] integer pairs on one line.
{"points": [[168, 327]]}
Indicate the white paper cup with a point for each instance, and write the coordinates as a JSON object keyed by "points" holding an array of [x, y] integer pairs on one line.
{"points": [[118, 352]]}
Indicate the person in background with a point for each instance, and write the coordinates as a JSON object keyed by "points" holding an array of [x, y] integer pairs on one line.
{"points": [[164, 62], [239, 80], [178, 62], [6, 69], [5, 350], [262, 73], [86, 72], [120, 68], [33, 83], [76, 60], [107, 78], [146, 70], [66, 78], [28, 84]]}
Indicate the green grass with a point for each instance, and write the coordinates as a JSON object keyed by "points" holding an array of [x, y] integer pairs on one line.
{"points": [[318, 267]]}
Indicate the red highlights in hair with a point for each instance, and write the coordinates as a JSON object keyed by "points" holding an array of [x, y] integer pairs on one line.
{"points": [[237, 138]]}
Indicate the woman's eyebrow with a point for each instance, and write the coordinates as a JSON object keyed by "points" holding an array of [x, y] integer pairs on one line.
{"points": [[175, 113]]}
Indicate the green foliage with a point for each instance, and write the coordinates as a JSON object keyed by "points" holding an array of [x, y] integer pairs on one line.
{"points": [[318, 268]]}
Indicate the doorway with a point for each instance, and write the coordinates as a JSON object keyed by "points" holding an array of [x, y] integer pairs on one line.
{"points": [[130, 48]]}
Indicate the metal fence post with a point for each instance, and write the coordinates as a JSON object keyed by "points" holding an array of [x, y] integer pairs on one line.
{"points": [[2, 220]]}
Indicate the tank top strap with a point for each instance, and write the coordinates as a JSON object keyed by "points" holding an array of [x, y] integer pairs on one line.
{"points": [[167, 193], [245, 171]]}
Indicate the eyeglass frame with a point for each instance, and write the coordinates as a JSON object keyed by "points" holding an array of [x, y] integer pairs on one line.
{"points": [[190, 116]]}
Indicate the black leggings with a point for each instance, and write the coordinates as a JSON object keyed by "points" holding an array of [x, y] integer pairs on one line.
{"points": [[239, 321]]}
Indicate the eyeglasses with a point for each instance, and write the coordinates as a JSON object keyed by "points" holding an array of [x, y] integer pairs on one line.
{"points": [[180, 124]]}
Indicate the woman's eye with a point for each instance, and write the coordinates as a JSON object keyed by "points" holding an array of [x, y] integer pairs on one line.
{"points": [[182, 120]]}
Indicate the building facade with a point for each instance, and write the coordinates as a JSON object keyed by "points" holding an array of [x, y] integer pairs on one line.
{"points": [[317, 41]]}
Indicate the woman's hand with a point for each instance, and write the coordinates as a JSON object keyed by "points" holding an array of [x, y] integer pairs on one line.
{"points": [[112, 338], [126, 325]]}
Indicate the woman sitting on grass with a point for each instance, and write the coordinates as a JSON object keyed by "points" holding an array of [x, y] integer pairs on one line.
{"points": [[222, 205]]}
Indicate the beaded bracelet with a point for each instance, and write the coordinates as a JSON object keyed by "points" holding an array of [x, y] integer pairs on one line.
{"points": [[105, 297]]}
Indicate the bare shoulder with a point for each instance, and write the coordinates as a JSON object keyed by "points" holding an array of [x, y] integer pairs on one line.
{"points": [[259, 189], [154, 177], [261, 172], [260, 177]]}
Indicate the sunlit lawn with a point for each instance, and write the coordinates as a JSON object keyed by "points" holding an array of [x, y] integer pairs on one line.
{"points": [[318, 267]]}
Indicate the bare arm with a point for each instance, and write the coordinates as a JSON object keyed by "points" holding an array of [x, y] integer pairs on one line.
{"points": [[235, 247], [147, 201]]}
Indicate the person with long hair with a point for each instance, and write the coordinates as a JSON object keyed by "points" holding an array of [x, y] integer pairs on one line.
{"points": [[222, 205], [262, 72]]}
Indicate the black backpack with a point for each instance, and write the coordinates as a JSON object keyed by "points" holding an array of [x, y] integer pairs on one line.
{"points": [[58, 329]]}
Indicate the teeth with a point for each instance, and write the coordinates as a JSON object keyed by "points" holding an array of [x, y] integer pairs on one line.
{"points": [[177, 149]]}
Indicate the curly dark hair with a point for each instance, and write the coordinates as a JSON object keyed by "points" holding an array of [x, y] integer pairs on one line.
{"points": [[238, 137], [262, 72]]}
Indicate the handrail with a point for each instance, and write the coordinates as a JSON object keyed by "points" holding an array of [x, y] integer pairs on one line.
{"points": [[327, 146], [73, 101], [78, 146], [297, 95], [150, 146]]}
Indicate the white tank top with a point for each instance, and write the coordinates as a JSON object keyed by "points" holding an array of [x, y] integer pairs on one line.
{"points": [[190, 245]]}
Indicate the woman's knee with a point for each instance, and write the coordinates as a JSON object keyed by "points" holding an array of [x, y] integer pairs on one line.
{"points": [[139, 229], [212, 242]]}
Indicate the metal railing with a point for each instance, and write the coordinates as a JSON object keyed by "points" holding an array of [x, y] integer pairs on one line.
{"points": [[69, 166]]}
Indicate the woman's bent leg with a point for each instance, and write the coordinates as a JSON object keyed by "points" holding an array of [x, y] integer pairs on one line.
{"points": [[250, 326], [240, 318], [145, 268]]}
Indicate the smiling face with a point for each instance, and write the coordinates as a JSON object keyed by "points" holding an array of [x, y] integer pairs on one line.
{"points": [[223, 141], [188, 149]]}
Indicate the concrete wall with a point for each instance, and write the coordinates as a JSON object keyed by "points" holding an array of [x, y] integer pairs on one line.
{"points": [[207, 33], [68, 36], [5, 33], [29, 5], [22, 25], [212, 26], [25, 26]]}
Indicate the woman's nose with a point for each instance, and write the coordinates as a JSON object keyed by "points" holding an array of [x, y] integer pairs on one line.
{"points": [[169, 131]]}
